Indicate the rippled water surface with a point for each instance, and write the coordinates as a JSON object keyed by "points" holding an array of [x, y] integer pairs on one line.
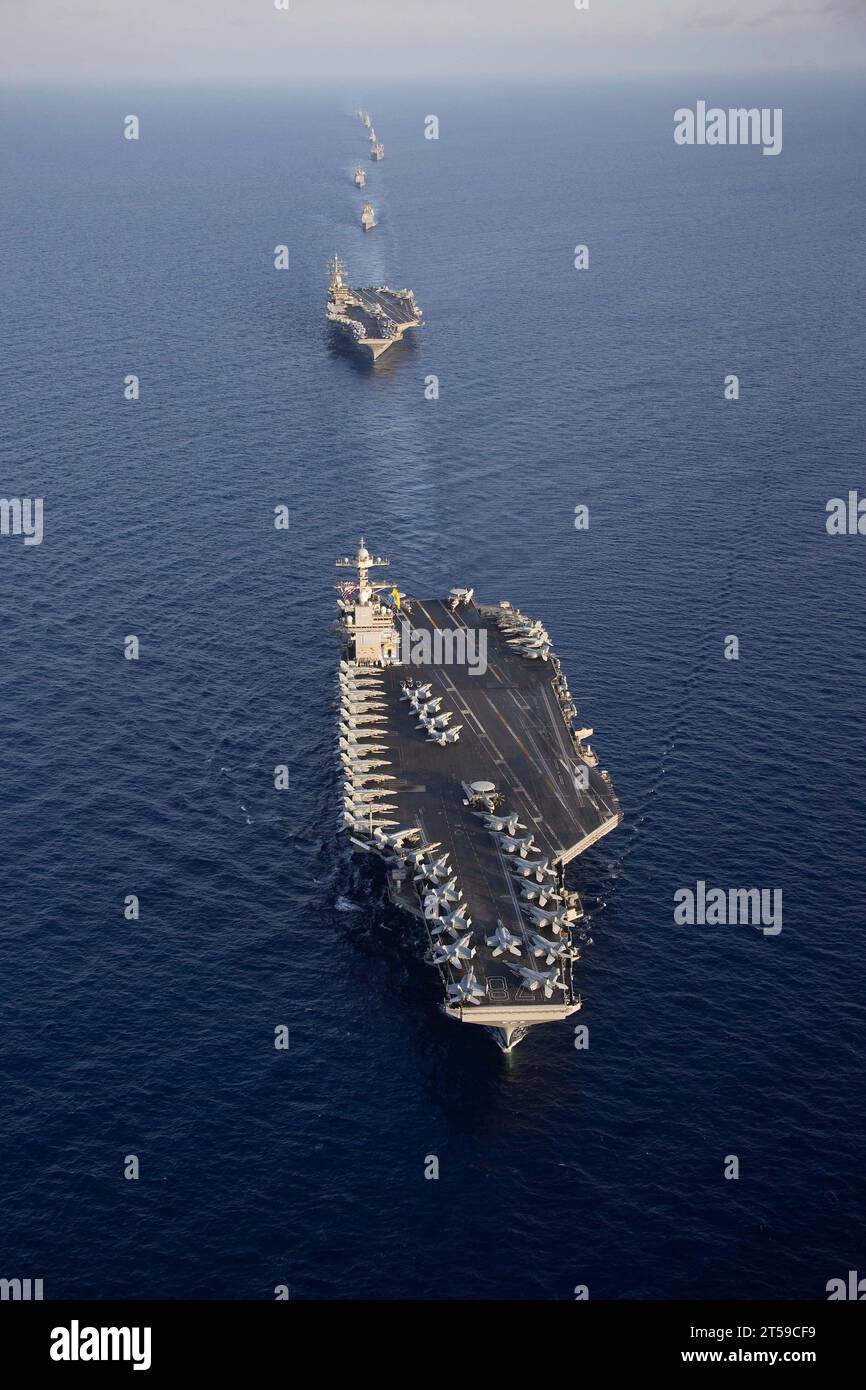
{"points": [[604, 387]]}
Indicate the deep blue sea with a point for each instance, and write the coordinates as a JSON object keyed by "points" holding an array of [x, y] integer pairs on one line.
{"points": [[558, 1167]]}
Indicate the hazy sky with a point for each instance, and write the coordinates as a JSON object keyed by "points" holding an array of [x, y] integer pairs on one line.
{"points": [[110, 41]]}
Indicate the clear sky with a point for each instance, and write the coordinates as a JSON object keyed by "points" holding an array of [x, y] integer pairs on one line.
{"points": [[111, 41]]}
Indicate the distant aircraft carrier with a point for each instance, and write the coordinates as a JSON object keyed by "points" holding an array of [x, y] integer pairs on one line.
{"points": [[373, 318], [463, 770]]}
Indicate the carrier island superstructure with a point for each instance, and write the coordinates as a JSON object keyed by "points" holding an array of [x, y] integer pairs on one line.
{"points": [[464, 767]]}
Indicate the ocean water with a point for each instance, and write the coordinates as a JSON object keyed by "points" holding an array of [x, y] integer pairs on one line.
{"points": [[558, 1167]]}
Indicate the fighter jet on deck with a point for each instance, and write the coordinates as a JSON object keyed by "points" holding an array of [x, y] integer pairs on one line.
{"points": [[447, 892], [396, 840], [525, 867], [447, 736], [458, 921], [466, 990], [454, 953], [520, 847], [541, 893], [361, 824], [438, 868], [509, 824], [503, 940], [552, 950], [548, 980], [549, 918], [417, 856], [538, 653]]}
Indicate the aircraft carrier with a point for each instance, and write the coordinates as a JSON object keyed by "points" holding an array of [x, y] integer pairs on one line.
{"points": [[373, 318], [464, 768]]}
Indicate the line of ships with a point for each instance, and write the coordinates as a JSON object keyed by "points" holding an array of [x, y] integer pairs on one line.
{"points": [[473, 780], [466, 769], [377, 151], [376, 317]]}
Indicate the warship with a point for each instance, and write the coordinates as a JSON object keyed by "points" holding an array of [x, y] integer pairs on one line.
{"points": [[360, 176], [368, 217], [378, 151], [465, 769], [374, 318]]}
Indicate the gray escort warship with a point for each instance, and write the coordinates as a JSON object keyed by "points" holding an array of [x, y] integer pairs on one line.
{"points": [[463, 768], [373, 318]]}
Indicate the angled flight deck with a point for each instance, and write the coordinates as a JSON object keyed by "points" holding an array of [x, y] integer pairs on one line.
{"points": [[463, 771]]}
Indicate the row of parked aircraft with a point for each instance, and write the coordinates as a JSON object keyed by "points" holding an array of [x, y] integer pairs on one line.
{"points": [[433, 722], [450, 923], [544, 905], [527, 638], [448, 919], [363, 723]]}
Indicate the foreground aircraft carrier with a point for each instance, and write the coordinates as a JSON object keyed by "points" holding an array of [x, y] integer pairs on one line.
{"points": [[373, 318], [465, 770]]}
